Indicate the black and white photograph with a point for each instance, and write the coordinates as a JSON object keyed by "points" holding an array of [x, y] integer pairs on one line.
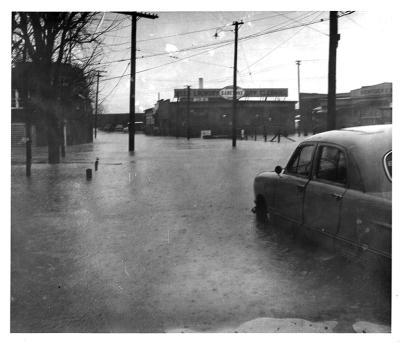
{"points": [[200, 171]]}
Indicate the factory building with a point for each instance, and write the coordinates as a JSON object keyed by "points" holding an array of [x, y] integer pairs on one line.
{"points": [[363, 106], [199, 110]]}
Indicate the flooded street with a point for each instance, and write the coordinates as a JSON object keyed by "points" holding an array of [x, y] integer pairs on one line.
{"points": [[164, 240]]}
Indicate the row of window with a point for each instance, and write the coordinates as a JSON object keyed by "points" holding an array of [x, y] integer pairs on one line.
{"points": [[331, 163]]}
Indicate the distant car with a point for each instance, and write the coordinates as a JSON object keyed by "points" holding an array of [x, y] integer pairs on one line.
{"points": [[108, 127], [337, 186], [119, 127], [126, 130]]}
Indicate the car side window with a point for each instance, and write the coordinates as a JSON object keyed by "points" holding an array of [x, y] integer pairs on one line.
{"points": [[300, 163], [331, 165]]}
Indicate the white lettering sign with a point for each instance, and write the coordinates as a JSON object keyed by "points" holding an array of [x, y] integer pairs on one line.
{"points": [[227, 92]]}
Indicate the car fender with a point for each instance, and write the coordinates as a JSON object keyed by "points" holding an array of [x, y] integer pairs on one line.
{"points": [[264, 186]]}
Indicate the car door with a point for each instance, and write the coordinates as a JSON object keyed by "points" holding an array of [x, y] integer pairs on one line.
{"points": [[289, 192], [325, 191], [366, 217]]}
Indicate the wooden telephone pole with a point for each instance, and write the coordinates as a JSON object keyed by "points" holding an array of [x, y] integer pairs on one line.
{"points": [[96, 105], [298, 62], [333, 43], [135, 16], [234, 100]]}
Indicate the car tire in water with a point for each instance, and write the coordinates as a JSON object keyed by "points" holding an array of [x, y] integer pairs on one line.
{"points": [[261, 211]]}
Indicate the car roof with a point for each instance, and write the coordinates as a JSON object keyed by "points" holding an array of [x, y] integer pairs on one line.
{"points": [[357, 135], [367, 146]]}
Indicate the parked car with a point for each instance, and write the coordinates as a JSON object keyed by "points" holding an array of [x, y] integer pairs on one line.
{"points": [[337, 189], [119, 127], [108, 127]]}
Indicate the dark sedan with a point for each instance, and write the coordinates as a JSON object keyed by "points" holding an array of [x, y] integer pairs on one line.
{"points": [[336, 188]]}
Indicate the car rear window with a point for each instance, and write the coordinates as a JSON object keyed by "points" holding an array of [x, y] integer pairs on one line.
{"points": [[331, 165], [387, 163]]}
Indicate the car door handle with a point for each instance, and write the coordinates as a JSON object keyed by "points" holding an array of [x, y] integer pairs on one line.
{"points": [[337, 196]]}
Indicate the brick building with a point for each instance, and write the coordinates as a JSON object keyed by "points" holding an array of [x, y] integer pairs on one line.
{"points": [[72, 107], [364, 106], [208, 110]]}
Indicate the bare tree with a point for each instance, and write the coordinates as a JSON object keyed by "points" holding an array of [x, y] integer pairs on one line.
{"points": [[50, 39]]}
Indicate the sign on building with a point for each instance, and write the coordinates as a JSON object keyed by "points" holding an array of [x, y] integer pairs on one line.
{"points": [[215, 93], [227, 92], [205, 133], [266, 92]]}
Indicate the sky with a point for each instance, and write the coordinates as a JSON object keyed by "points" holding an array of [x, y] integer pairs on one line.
{"points": [[178, 48]]}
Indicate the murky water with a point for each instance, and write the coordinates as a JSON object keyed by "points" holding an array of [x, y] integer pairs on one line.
{"points": [[164, 239]]}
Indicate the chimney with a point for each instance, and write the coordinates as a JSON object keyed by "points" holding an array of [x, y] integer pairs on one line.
{"points": [[201, 82]]}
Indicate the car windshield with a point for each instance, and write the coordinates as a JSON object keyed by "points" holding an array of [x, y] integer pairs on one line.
{"points": [[387, 163]]}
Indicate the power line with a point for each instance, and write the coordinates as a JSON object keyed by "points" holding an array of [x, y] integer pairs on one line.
{"points": [[220, 45], [116, 85], [297, 21], [246, 61], [217, 44], [283, 28], [212, 64], [354, 22], [162, 65], [183, 58], [225, 41], [207, 45], [198, 31], [276, 47]]}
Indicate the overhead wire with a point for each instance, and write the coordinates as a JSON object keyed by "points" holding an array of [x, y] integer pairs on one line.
{"points": [[277, 46], [297, 21], [116, 85], [281, 27], [162, 65], [180, 59], [221, 44], [228, 40], [245, 59], [196, 31]]}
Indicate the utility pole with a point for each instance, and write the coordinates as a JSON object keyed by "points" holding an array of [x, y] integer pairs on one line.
{"points": [[234, 100], [298, 62], [135, 16], [188, 114], [298, 80], [333, 44], [96, 106]]}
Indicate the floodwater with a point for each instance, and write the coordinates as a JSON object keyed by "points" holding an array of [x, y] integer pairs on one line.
{"points": [[164, 240]]}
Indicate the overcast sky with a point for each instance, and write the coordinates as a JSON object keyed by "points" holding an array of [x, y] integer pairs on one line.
{"points": [[364, 55]]}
